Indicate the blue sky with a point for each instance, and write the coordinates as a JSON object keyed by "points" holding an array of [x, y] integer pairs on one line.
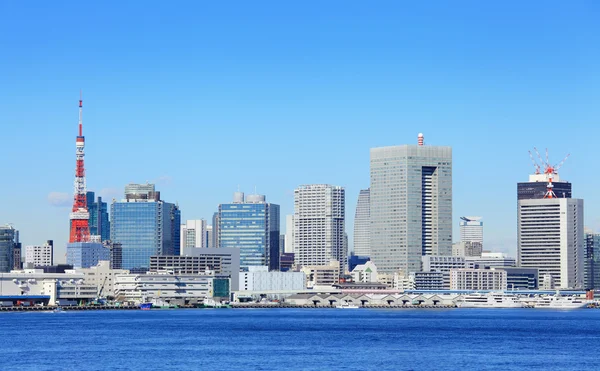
{"points": [[203, 97]]}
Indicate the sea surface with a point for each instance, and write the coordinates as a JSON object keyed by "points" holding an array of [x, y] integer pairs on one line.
{"points": [[302, 339]]}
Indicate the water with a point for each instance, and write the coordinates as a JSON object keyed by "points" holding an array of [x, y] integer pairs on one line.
{"points": [[308, 339]]}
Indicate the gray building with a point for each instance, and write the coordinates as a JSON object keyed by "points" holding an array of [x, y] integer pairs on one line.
{"points": [[411, 205], [520, 278], [592, 261], [362, 224], [427, 281], [8, 242]]}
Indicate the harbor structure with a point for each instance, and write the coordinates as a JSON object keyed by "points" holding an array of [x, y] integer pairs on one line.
{"points": [[251, 225], [319, 225], [411, 205], [39, 255], [362, 224]]}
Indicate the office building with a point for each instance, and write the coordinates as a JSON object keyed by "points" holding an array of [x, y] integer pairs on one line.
{"points": [[427, 281], [319, 225], [289, 234], [592, 261], [209, 237], [144, 225], [537, 186], [8, 241], [17, 263], [490, 260], [366, 272], [116, 254], [322, 275], [471, 229], [286, 262], [193, 234], [520, 278], [101, 276], [224, 261], [281, 245], [411, 205], [443, 264], [86, 254], [260, 279], [550, 237], [251, 225], [477, 279], [362, 224], [99, 223], [39, 255], [215, 230], [354, 260], [467, 248]]}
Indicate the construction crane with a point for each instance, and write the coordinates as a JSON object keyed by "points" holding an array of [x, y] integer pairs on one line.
{"points": [[549, 170]]}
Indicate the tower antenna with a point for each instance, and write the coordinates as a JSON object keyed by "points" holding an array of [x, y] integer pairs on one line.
{"points": [[79, 217]]}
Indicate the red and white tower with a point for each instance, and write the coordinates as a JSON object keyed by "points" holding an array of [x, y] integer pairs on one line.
{"points": [[80, 230]]}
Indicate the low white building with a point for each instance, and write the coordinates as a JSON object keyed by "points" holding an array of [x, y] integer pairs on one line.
{"points": [[322, 275], [477, 279], [260, 279], [101, 276], [440, 263], [490, 260], [365, 273], [39, 255], [167, 288]]}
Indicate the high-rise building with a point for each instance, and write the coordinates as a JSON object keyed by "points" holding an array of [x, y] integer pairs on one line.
{"points": [[144, 225], [252, 225], [98, 223], [281, 243], [209, 237], [8, 241], [319, 225], [411, 205], [289, 234], [39, 255], [471, 229], [193, 234], [537, 187], [592, 261], [215, 230], [362, 224], [550, 237], [86, 254]]}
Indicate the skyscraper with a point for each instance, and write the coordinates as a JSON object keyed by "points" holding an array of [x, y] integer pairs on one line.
{"points": [[289, 234], [144, 225], [362, 224], [319, 225], [411, 205], [251, 225], [471, 229], [99, 223], [592, 261], [8, 241], [550, 237], [537, 186], [193, 234]]}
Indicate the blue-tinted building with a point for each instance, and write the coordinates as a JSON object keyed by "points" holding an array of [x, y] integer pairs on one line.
{"points": [[252, 226], [144, 226], [99, 222], [354, 260], [8, 242], [86, 254]]}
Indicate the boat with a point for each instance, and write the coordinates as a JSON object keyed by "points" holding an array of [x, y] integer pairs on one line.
{"points": [[58, 310], [490, 300], [561, 302], [146, 306], [347, 305]]}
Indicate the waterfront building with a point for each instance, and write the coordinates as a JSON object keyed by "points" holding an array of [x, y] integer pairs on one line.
{"points": [[224, 261], [289, 234], [362, 224], [251, 225], [8, 241], [550, 237], [286, 262], [477, 279], [467, 248], [144, 225], [592, 261], [99, 223], [471, 229], [427, 281], [520, 278], [39, 255], [490, 260], [411, 205], [86, 254], [260, 279], [166, 288], [319, 225], [193, 234], [443, 264], [101, 276], [366, 272], [322, 275]]}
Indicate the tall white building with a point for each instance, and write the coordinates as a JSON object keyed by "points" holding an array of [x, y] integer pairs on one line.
{"points": [[471, 229], [194, 234], [289, 234], [550, 237], [319, 218], [39, 255], [362, 224], [411, 205]]}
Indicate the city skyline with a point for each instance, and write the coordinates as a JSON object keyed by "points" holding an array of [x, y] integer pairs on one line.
{"points": [[535, 86]]}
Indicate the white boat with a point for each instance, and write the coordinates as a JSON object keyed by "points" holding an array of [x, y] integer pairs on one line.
{"points": [[490, 300], [347, 305], [561, 302]]}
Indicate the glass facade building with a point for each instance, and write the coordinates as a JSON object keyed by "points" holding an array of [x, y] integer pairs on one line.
{"points": [[411, 205], [143, 229], [86, 254], [8, 242], [592, 261], [99, 221], [252, 226]]}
